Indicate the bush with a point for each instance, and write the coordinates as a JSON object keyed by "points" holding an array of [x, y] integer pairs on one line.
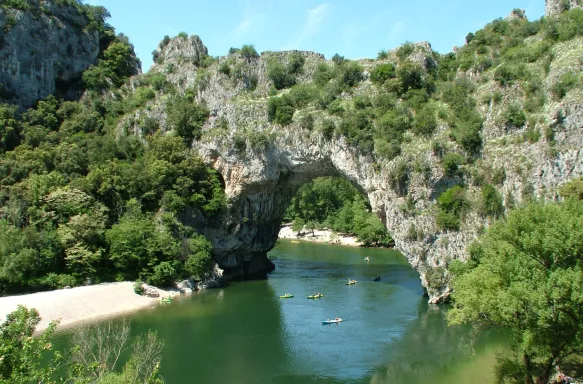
{"points": [[447, 221], [382, 73], [139, 287], [565, 83], [491, 202], [328, 127], [296, 63], [280, 110], [572, 190], [425, 122], [248, 51], [187, 117], [163, 275], [405, 50], [452, 203], [225, 68], [323, 74], [183, 35], [279, 75], [350, 74], [451, 163], [514, 116]]}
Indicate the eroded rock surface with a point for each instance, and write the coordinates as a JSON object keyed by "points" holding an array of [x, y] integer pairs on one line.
{"points": [[43, 51]]}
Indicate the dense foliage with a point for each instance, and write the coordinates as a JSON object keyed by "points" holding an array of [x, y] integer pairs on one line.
{"points": [[81, 201], [26, 359], [526, 275], [334, 203]]}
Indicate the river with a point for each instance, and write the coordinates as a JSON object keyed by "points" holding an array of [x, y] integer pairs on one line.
{"points": [[245, 333]]}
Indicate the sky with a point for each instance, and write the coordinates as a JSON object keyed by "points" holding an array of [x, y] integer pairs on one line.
{"points": [[353, 29]]}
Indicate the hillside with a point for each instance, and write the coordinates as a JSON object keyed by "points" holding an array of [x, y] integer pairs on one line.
{"points": [[441, 144]]}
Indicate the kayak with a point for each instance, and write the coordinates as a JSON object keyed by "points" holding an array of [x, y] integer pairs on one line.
{"points": [[333, 321], [295, 241], [287, 296], [350, 282], [166, 300], [315, 296]]}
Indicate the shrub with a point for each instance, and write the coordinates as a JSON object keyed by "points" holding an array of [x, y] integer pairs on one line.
{"points": [[382, 73], [328, 127], [453, 200], [351, 74], [383, 54], [565, 83], [514, 116], [410, 76], [322, 75], [139, 287], [279, 75], [337, 59], [280, 110], [296, 63], [491, 202], [451, 163], [183, 35], [572, 190], [248, 51], [187, 117], [447, 221], [225, 68], [405, 50], [425, 122]]}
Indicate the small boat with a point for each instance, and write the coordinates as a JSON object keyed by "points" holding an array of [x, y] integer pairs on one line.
{"points": [[333, 321], [167, 299], [366, 259], [287, 296], [317, 296], [351, 282], [378, 278]]}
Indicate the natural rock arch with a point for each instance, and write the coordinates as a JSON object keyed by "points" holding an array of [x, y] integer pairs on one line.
{"points": [[263, 164]]}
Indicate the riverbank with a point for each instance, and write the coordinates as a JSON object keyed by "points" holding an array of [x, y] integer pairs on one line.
{"points": [[319, 236], [82, 304]]}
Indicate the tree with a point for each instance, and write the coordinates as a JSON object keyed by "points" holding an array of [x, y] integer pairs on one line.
{"points": [[572, 190], [187, 118], [525, 275], [23, 358]]}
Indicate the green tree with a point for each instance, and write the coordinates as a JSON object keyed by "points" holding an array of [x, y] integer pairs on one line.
{"points": [[572, 190], [24, 358], [187, 117], [525, 275]]}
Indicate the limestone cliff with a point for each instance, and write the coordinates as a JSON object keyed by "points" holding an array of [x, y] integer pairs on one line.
{"points": [[555, 7], [263, 164], [44, 49]]}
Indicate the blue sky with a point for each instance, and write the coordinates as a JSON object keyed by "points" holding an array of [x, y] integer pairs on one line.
{"points": [[354, 29]]}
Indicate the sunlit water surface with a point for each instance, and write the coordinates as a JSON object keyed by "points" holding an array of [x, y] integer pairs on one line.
{"points": [[245, 333]]}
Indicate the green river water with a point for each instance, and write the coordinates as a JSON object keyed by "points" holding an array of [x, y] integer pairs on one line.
{"points": [[245, 333]]}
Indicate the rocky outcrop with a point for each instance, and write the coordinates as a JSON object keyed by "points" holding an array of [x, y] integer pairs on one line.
{"points": [[263, 165], [43, 51], [555, 7]]}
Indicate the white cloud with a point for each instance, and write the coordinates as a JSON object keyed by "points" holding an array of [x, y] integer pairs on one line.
{"points": [[314, 20], [397, 30], [243, 27]]}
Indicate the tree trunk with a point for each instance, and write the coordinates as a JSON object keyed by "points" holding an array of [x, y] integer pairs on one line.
{"points": [[528, 367]]}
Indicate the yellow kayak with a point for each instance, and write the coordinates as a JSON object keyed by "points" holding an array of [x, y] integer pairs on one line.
{"points": [[350, 282]]}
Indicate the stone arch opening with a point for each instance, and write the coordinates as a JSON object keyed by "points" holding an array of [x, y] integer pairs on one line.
{"points": [[260, 186], [334, 204]]}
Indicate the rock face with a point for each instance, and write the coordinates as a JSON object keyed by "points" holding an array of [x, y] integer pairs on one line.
{"points": [[43, 51], [263, 165], [555, 7]]}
